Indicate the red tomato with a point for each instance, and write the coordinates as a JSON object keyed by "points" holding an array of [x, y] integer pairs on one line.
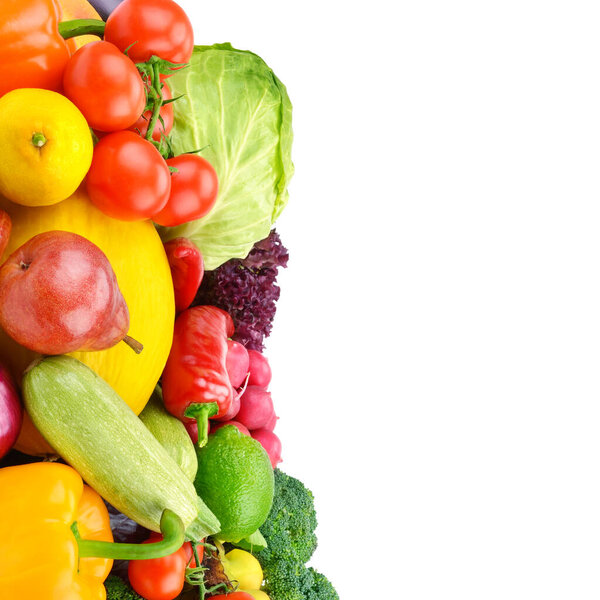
{"points": [[158, 27], [129, 179], [105, 86], [166, 113], [193, 191], [162, 578]]}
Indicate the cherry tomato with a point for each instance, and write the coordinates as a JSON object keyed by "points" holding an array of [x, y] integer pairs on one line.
{"points": [[105, 86], [162, 578], [193, 191], [166, 114], [129, 179], [154, 27]]}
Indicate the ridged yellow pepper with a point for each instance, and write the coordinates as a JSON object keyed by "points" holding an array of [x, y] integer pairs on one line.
{"points": [[39, 556]]}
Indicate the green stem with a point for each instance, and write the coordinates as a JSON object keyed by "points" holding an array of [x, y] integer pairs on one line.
{"points": [[38, 139], [157, 87], [171, 528], [201, 411], [71, 29]]}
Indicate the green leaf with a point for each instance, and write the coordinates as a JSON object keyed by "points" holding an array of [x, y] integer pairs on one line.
{"points": [[253, 543], [235, 108]]}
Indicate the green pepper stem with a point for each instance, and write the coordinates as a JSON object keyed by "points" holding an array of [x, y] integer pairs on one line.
{"points": [[201, 411], [71, 29], [171, 527]]}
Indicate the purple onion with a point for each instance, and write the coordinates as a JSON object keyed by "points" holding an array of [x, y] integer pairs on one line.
{"points": [[11, 411]]}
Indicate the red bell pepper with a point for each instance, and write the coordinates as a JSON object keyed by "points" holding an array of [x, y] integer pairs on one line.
{"points": [[195, 382], [187, 270], [33, 52]]}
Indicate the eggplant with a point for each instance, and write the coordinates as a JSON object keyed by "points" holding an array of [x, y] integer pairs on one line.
{"points": [[105, 7]]}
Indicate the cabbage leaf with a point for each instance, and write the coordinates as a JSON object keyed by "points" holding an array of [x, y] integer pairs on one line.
{"points": [[236, 110]]}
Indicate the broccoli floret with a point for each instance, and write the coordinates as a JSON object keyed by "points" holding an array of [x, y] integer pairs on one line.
{"points": [[321, 588], [290, 534], [290, 527], [117, 589], [297, 582]]}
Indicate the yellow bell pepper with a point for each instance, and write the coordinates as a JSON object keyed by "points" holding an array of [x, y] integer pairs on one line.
{"points": [[39, 556]]}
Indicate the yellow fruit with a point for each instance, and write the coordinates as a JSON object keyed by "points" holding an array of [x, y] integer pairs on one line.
{"points": [[257, 594], [45, 144], [244, 568], [137, 256]]}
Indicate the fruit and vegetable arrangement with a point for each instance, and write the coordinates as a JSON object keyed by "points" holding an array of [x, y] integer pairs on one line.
{"points": [[140, 178]]}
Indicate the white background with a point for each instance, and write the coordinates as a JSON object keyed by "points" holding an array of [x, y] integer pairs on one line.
{"points": [[436, 347]]}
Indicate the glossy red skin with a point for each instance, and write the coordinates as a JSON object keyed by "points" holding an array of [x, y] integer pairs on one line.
{"points": [[33, 52], [270, 442], [11, 411], [166, 114], [105, 86], [162, 578], [194, 189], [5, 230], [59, 293], [237, 362], [233, 409], [260, 370], [187, 270], [128, 179], [196, 371], [154, 27], [256, 408]]}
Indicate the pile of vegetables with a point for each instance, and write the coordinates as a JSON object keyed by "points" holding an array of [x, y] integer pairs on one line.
{"points": [[141, 176]]}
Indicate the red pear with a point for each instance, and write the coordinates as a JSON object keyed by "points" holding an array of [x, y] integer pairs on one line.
{"points": [[59, 294]]}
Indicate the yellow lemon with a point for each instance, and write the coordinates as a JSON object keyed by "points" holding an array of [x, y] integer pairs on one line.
{"points": [[138, 259], [45, 147]]}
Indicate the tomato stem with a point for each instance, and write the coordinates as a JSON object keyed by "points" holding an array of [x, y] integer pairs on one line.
{"points": [[38, 139], [171, 527], [158, 99], [76, 27]]}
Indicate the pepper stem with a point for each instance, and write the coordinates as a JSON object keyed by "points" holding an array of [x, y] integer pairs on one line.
{"points": [[76, 27], [171, 527], [201, 411]]}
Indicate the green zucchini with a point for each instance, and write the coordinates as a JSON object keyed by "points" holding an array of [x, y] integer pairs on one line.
{"points": [[171, 433], [95, 431]]}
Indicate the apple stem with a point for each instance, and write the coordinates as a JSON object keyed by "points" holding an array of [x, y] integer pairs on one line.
{"points": [[133, 344]]}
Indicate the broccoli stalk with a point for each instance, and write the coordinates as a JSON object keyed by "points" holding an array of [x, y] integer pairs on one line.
{"points": [[291, 541]]}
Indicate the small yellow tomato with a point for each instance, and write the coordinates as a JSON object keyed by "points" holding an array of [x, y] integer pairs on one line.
{"points": [[242, 567], [45, 144]]}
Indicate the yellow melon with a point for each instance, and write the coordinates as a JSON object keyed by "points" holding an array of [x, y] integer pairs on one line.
{"points": [[136, 254]]}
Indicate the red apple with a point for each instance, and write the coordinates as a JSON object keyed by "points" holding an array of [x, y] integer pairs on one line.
{"points": [[59, 293]]}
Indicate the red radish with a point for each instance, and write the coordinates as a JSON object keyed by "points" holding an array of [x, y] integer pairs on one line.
{"points": [[237, 424], [270, 425], [192, 429], [234, 408], [237, 363], [256, 407], [11, 412], [270, 442], [260, 371]]}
